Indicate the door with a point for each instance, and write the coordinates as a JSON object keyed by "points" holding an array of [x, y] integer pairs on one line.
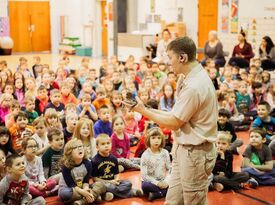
{"points": [[30, 26], [208, 20], [19, 26], [104, 26]]}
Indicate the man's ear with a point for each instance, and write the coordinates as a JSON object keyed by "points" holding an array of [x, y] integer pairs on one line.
{"points": [[183, 58]]}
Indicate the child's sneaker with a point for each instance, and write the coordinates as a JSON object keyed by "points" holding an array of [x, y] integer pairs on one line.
{"points": [[120, 168], [99, 200], [108, 196], [218, 187], [251, 183], [80, 202], [137, 192]]}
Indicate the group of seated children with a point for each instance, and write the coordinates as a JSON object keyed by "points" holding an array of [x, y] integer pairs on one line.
{"points": [[68, 133]]}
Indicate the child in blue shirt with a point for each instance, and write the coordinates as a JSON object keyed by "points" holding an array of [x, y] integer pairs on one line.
{"points": [[265, 121], [103, 125]]}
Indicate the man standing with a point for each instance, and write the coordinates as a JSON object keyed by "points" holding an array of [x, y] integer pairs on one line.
{"points": [[193, 120]]}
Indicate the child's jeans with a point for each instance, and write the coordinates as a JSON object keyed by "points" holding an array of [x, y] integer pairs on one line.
{"points": [[123, 190], [34, 191], [233, 182], [132, 163], [265, 178], [67, 194], [37, 201], [235, 144], [149, 187]]}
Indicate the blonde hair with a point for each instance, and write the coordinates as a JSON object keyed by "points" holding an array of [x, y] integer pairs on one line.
{"points": [[52, 113], [78, 126], [67, 159], [38, 121], [4, 96], [70, 106], [143, 90], [28, 99], [101, 137], [224, 136]]}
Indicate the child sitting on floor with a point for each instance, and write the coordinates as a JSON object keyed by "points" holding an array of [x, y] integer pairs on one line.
{"points": [[76, 172], [54, 153], [105, 169], [39, 186], [225, 125], [224, 177], [121, 145], [155, 165], [103, 125], [15, 186], [257, 159]]}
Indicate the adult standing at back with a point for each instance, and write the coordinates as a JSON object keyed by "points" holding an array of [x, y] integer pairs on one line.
{"points": [[193, 120], [162, 46], [213, 49], [242, 52], [267, 53]]}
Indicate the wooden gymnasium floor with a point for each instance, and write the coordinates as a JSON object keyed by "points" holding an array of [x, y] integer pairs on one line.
{"points": [[265, 195]]}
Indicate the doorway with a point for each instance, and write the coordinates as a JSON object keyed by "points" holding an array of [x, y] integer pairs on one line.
{"points": [[208, 20], [104, 26], [30, 26]]}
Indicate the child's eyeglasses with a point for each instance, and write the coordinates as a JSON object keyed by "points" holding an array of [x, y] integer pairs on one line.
{"points": [[78, 147], [2, 136], [32, 147]]}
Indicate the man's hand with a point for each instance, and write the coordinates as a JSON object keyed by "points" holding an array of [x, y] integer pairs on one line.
{"points": [[137, 106], [162, 185]]}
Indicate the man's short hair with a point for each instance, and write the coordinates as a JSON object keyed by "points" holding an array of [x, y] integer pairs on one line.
{"points": [[184, 45]]}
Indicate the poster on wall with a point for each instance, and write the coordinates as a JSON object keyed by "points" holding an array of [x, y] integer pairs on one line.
{"points": [[234, 16], [110, 11], [4, 26], [152, 6], [225, 16], [149, 18], [180, 15], [3, 8], [157, 18]]}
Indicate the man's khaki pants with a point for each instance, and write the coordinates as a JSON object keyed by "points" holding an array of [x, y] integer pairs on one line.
{"points": [[190, 170]]}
